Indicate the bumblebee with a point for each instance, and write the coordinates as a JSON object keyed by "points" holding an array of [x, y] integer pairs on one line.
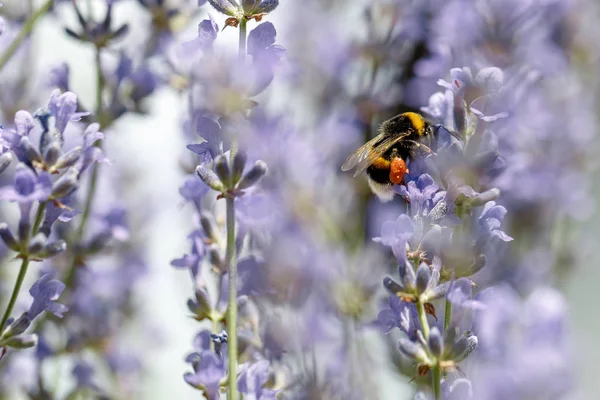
{"points": [[384, 157]]}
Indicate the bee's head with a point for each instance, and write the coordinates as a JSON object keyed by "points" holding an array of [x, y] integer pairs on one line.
{"points": [[405, 122]]}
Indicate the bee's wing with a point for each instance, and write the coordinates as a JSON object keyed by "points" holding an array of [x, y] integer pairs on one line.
{"points": [[368, 153], [360, 154]]}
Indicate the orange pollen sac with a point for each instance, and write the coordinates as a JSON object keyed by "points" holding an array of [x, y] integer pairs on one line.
{"points": [[397, 170]]}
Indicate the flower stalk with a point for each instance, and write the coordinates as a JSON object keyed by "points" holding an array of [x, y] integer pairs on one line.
{"points": [[39, 215], [23, 33], [230, 259]]}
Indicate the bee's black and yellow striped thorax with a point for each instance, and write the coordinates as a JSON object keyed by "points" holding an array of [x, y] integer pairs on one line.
{"points": [[411, 123]]}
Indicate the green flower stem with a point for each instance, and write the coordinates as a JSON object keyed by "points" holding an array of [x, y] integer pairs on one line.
{"points": [[423, 319], [447, 314], [15, 292], [232, 307], [23, 33], [39, 216], [242, 39], [436, 371], [100, 83], [437, 382]]}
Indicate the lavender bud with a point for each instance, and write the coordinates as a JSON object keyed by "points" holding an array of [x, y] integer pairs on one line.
{"points": [[5, 160], [435, 342], [449, 338], [412, 350], [53, 248], [392, 286], [253, 175], [237, 166], [463, 347], [17, 326], [66, 184], [201, 305], [485, 159], [222, 170], [210, 178], [30, 152], [226, 7], [8, 237], [407, 273], [53, 152], [21, 342], [266, 6], [37, 243], [215, 257], [249, 5], [68, 159], [484, 197], [423, 277], [210, 226], [437, 292], [439, 212]]}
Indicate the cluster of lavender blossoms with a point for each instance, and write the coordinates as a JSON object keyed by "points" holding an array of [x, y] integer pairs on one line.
{"points": [[74, 237], [467, 301], [304, 284]]}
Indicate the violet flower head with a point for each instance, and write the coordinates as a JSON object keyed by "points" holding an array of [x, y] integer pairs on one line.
{"points": [[45, 291], [252, 379], [209, 370], [396, 234]]}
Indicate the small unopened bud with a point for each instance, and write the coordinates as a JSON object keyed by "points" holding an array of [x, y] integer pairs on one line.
{"points": [[485, 159], [21, 342], [8, 238], [5, 160], [210, 178], [53, 248], [253, 175], [463, 347], [68, 159], [423, 277], [210, 226], [413, 350], [53, 152], [392, 286], [215, 258], [16, 327], [237, 167], [30, 152], [66, 184], [222, 170], [36, 244], [435, 342], [201, 305], [484, 197]]}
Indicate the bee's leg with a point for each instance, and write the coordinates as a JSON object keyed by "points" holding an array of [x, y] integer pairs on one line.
{"points": [[422, 146]]}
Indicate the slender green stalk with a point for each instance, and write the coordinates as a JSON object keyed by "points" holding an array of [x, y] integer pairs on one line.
{"points": [[230, 256], [423, 318], [15, 292], [437, 382], [39, 217], [447, 314], [87, 208], [242, 39], [26, 29], [232, 308]]}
